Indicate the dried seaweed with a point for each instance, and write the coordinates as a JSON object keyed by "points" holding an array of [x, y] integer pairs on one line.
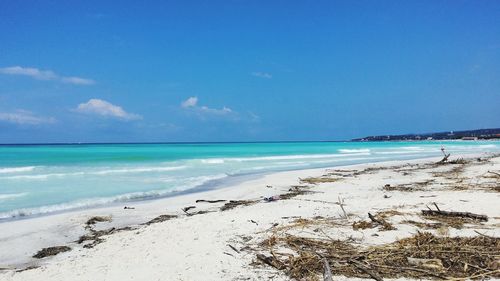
{"points": [[95, 236], [51, 251], [318, 180], [460, 257], [96, 219], [408, 187], [235, 203], [424, 225], [374, 222], [160, 218]]}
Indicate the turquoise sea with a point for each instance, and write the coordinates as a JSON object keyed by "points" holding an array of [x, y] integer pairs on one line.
{"points": [[41, 179]]}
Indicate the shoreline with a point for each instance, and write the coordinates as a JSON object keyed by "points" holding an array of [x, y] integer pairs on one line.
{"points": [[210, 185], [61, 229]]}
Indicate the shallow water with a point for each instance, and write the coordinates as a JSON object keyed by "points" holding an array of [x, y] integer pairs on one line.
{"points": [[40, 179]]}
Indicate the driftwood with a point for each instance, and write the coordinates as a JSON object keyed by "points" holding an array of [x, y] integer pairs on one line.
{"points": [[272, 261], [366, 270], [186, 209], [385, 225], [327, 274], [234, 249], [445, 158], [209, 201], [455, 214], [434, 264], [494, 173], [375, 220]]}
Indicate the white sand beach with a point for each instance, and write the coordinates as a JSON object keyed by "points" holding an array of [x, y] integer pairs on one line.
{"points": [[206, 243]]}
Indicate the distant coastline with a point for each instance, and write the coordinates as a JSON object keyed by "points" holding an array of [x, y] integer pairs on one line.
{"points": [[480, 134]]}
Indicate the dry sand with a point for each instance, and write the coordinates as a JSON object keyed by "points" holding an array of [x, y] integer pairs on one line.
{"points": [[222, 245]]}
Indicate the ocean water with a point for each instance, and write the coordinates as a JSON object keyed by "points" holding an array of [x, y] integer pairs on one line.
{"points": [[41, 179]]}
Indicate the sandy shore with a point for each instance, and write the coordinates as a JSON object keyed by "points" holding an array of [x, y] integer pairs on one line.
{"points": [[206, 243]]}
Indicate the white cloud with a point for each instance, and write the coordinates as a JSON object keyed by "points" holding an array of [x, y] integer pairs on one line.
{"points": [[106, 109], [24, 117], [222, 111], [262, 75], [192, 104], [77, 81], [38, 74]]}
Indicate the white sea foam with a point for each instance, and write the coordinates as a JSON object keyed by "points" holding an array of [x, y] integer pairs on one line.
{"points": [[41, 176], [213, 161], [290, 157], [363, 150], [399, 152], [17, 169], [138, 170], [11, 196], [103, 172], [412, 148]]}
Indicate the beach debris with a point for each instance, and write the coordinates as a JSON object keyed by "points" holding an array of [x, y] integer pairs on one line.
{"points": [[51, 251], [26, 268], [235, 203], [96, 219], [439, 212], [270, 260], [482, 234], [95, 236], [186, 209], [424, 225], [382, 222], [421, 256], [199, 213], [341, 203], [234, 249], [128, 208], [272, 198], [160, 218], [362, 225], [318, 180], [210, 201], [434, 264], [327, 273], [494, 173], [458, 161], [445, 158], [374, 221], [408, 187], [366, 269], [295, 191]]}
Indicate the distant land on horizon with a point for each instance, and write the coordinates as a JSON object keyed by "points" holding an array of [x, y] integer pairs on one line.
{"points": [[448, 135]]}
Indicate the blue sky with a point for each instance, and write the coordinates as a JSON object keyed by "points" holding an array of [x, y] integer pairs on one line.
{"points": [[245, 70]]}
